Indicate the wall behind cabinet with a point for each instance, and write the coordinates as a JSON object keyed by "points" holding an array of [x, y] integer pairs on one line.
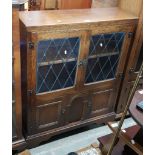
{"points": [[104, 3]]}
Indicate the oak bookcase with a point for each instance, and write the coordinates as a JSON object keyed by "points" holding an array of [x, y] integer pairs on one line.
{"points": [[74, 67]]}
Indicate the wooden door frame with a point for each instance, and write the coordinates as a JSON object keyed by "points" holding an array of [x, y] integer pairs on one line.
{"points": [[59, 35], [125, 47]]}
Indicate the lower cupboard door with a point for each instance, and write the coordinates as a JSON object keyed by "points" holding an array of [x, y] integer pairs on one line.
{"points": [[77, 108], [101, 102], [49, 115]]}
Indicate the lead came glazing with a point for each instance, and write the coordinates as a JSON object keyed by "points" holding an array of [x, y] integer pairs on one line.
{"points": [[103, 57], [56, 63]]}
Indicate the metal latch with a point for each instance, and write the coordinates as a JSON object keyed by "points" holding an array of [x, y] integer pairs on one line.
{"points": [[120, 75], [130, 34], [131, 70], [31, 45], [83, 63], [30, 92]]}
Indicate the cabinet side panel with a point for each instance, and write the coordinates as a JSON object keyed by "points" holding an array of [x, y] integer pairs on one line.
{"points": [[23, 52], [16, 73]]}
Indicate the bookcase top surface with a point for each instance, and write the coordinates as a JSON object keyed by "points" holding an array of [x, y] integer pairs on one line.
{"points": [[77, 16]]}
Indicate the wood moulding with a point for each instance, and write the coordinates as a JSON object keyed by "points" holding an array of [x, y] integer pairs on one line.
{"points": [[36, 139], [19, 144], [65, 19]]}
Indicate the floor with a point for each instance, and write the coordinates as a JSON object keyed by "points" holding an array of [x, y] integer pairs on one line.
{"points": [[76, 141]]}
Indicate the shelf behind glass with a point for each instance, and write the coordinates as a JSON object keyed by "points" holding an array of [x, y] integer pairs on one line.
{"points": [[54, 50], [106, 43]]}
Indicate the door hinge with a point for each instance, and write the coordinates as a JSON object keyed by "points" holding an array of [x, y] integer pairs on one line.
{"points": [[120, 75], [30, 92], [130, 34], [131, 70], [63, 111], [31, 45]]}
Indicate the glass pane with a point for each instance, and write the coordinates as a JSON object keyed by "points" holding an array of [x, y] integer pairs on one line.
{"points": [[57, 49], [56, 63], [103, 57]]}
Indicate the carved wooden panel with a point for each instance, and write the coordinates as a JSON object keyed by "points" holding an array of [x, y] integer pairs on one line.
{"points": [[48, 115], [101, 102], [77, 109]]}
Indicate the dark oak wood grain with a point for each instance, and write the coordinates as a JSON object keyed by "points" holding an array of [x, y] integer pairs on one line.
{"points": [[50, 113], [18, 140], [33, 19]]}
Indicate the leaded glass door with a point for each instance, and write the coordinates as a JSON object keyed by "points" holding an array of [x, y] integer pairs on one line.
{"points": [[53, 67], [103, 57], [56, 64]]}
